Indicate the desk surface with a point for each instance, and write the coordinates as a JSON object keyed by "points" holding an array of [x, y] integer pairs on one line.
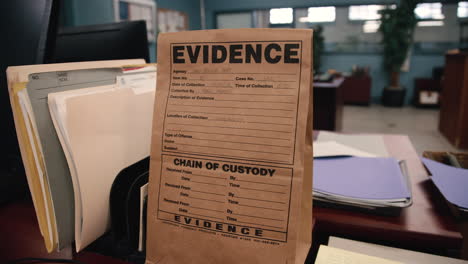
{"points": [[427, 223]]}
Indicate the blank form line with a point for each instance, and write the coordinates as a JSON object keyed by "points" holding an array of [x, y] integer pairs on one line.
{"points": [[266, 73], [279, 131], [216, 113], [282, 88], [261, 94], [214, 217], [286, 154], [274, 184], [201, 208], [243, 222], [210, 183], [267, 208], [216, 201], [214, 86], [224, 134], [230, 87], [260, 190], [280, 109], [254, 101], [259, 217], [246, 143], [250, 122], [214, 80], [248, 198], [219, 194], [271, 81], [206, 176]]}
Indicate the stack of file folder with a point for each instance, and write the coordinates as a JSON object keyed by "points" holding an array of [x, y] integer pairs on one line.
{"points": [[78, 126], [452, 182], [350, 173], [376, 184]]}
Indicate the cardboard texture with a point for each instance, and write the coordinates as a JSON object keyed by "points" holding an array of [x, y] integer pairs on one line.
{"points": [[231, 153]]}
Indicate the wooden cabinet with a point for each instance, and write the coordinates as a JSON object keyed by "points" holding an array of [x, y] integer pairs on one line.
{"points": [[453, 119], [357, 90], [328, 105]]}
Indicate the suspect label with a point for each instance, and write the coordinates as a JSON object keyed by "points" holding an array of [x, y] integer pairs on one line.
{"points": [[216, 108], [229, 197]]}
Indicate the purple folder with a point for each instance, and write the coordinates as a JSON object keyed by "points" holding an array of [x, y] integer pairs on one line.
{"points": [[452, 182], [361, 178]]}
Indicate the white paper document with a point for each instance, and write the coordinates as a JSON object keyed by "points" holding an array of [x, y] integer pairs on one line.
{"points": [[102, 131], [335, 149], [373, 144], [330, 255]]}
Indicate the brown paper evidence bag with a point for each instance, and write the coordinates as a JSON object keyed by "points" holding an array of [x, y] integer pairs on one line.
{"points": [[231, 153]]}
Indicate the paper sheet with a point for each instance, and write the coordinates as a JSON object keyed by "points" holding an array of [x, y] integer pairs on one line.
{"points": [[372, 144], [451, 181], [29, 147], [330, 255], [105, 130], [334, 149], [395, 254], [143, 196], [32, 135]]}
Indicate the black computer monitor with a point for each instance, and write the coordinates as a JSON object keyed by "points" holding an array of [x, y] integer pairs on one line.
{"points": [[28, 29], [124, 40]]}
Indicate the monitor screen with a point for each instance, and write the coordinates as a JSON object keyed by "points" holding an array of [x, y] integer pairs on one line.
{"points": [[124, 40], [28, 28]]}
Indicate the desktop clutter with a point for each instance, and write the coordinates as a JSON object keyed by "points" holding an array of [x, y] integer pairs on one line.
{"points": [[218, 156], [205, 160], [78, 126], [356, 172]]}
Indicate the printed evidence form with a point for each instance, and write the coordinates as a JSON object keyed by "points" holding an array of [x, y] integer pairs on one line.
{"points": [[228, 137]]}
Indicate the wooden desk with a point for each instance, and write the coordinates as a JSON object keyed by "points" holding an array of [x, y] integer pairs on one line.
{"points": [[328, 105], [453, 118], [425, 226], [20, 236], [357, 90]]}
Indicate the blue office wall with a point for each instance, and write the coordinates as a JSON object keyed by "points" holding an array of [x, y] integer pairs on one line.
{"points": [[190, 7], [214, 6], [88, 12], [421, 64]]}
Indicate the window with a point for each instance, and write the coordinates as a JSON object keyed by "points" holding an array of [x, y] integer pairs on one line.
{"points": [[319, 14], [130, 10], [281, 16], [371, 26], [462, 10], [429, 11], [365, 12]]}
